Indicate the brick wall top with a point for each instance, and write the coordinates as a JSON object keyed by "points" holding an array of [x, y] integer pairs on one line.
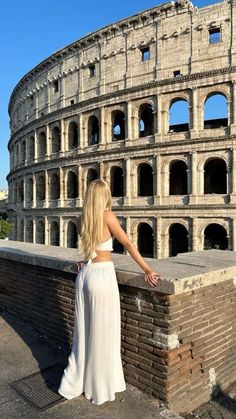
{"points": [[183, 273]]}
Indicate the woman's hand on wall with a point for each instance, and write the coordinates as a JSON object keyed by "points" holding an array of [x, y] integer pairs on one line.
{"points": [[152, 278]]}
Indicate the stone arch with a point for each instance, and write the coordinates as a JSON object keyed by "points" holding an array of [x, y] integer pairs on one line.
{"points": [[215, 237], [118, 125], [92, 174], [73, 135], [23, 151], [215, 176], [40, 232], [178, 239], [178, 182], [179, 115], [42, 145], [215, 110], [30, 190], [93, 130], [40, 188], [31, 148], [56, 140], [72, 185], [21, 230], [21, 191], [145, 240], [54, 234], [117, 181], [145, 179], [29, 231], [146, 119], [72, 235], [54, 186]]}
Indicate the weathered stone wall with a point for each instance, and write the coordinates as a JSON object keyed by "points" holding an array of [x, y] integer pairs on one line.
{"points": [[178, 340], [61, 91]]}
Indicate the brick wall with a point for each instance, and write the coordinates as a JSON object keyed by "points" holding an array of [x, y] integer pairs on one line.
{"points": [[179, 348]]}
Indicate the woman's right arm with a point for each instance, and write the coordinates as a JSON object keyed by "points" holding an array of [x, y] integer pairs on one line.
{"points": [[117, 231]]}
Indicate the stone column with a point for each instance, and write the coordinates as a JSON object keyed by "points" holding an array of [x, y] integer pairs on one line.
{"points": [[232, 116], [129, 122], [101, 169], [194, 114], [233, 230], [158, 238], [80, 187], [61, 232], [47, 231], [62, 184], [158, 135], [48, 102], [102, 128], [34, 230], [34, 203], [35, 145], [81, 133], [157, 172], [62, 128], [193, 193], [233, 176], [48, 141], [128, 232], [46, 188], [127, 197]]}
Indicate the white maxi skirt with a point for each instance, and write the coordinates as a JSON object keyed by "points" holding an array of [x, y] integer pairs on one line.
{"points": [[94, 365]]}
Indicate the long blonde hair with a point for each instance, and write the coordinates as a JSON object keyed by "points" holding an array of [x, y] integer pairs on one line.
{"points": [[97, 199]]}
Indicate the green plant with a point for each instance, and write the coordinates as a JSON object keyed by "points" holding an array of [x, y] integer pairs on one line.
{"points": [[5, 228]]}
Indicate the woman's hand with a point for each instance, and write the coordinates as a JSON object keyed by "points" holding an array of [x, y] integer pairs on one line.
{"points": [[152, 278], [79, 266]]}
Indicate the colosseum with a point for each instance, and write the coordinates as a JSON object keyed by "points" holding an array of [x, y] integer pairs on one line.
{"points": [[106, 106]]}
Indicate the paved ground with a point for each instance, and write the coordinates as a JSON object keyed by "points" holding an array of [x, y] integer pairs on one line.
{"points": [[23, 351]]}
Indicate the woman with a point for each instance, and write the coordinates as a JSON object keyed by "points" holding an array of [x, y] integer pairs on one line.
{"points": [[94, 365]]}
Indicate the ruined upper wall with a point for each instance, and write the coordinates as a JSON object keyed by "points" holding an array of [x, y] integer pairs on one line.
{"points": [[176, 33]]}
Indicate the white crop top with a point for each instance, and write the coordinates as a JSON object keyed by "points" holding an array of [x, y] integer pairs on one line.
{"points": [[107, 245]]}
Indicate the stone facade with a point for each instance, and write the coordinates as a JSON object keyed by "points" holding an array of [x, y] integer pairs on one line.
{"points": [[101, 107], [178, 344]]}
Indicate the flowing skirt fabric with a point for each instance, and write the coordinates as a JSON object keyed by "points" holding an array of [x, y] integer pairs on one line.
{"points": [[94, 365]]}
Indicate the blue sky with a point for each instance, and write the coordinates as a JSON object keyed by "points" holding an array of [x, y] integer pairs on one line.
{"points": [[31, 31]]}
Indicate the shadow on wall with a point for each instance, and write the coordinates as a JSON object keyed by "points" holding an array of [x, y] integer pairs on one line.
{"points": [[46, 307]]}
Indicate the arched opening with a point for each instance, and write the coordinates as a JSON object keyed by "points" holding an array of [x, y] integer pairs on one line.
{"points": [[73, 135], [145, 240], [31, 149], [216, 111], [40, 188], [118, 247], [91, 175], [42, 149], [93, 130], [30, 190], [215, 237], [56, 140], [215, 176], [21, 191], [54, 234], [117, 181], [29, 231], [178, 178], [23, 152], [145, 180], [179, 115], [54, 187], [146, 120], [21, 231], [72, 185], [72, 235], [178, 239], [118, 125], [40, 232]]}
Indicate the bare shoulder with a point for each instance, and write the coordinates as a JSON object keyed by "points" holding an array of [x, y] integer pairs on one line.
{"points": [[110, 216]]}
